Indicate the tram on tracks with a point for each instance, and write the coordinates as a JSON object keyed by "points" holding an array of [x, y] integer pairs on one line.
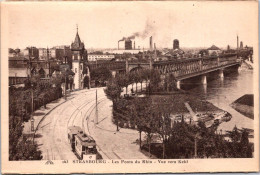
{"points": [[83, 145]]}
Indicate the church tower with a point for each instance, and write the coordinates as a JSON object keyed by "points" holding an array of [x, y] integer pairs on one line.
{"points": [[79, 55]]}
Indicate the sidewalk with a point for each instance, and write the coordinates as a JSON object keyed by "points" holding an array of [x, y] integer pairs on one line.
{"points": [[39, 115]]}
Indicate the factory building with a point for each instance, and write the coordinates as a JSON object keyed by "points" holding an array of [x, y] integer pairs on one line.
{"points": [[128, 44]]}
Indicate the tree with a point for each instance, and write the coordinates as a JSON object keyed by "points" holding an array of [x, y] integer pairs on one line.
{"points": [[140, 107], [113, 91], [146, 76], [150, 124], [136, 80], [123, 80], [140, 75], [132, 79], [155, 81], [101, 74], [170, 82], [26, 150]]}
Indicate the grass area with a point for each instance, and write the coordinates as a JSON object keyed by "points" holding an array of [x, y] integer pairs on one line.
{"points": [[174, 103], [245, 105], [247, 99]]}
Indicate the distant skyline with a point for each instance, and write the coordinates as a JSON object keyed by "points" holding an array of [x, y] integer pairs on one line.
{"points": [[102, 24]]}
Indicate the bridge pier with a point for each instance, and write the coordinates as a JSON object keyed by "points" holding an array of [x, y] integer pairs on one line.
{"points": [[221, 73], [178, 84], [204, 79], [113, 73]]}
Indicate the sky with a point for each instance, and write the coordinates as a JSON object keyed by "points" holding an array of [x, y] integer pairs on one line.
{"points": [[102, 24]]}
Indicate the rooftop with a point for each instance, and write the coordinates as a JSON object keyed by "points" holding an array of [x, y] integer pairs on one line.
{"points": [[77, 44], [213, 47]]}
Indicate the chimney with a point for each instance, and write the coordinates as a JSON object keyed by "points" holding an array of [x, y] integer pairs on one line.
{"points": [[155, 54], [151, 43], [134, 45], [237, 41]]}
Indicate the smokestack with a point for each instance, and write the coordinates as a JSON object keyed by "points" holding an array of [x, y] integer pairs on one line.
{"points": [[151, 43], [237, 42], [134, 45], [155, 54]]}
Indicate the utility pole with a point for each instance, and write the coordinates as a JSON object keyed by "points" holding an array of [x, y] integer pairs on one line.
{"points": [[65, 87], [32, 120], [65, 96], [195, 147], [96, 109]]}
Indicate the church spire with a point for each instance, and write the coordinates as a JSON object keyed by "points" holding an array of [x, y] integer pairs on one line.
{"points": [[77, 44]]}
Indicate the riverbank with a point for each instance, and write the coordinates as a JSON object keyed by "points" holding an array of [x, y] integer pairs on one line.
{"points": [[245, 105], [180, 105]]}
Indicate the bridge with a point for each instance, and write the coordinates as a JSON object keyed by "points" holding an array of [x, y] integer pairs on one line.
{"points": [[189, 68], [182, 69]]}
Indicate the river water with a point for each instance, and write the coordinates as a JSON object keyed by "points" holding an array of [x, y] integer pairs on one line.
{"points": [[222, 92]]}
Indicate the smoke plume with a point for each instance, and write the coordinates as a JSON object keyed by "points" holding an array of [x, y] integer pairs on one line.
{"points": [[149, 28]]}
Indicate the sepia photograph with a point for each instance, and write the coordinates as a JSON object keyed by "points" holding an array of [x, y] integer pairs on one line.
{"points": [[123, 86]]}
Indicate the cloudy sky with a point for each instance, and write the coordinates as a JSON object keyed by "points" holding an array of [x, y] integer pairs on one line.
{"points": [[102, 24]]}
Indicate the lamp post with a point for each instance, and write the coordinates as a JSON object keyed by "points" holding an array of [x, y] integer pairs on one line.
{"points": [[65, 84], [32, 120], [96, 109]]}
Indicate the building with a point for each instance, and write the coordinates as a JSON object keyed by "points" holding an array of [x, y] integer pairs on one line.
{"points": [[57, 53], [44, 54], [228, 47], [31, 52], [241, 44], [176, 44], [97, 57], [128, 44], [214, 50], [18, 70], [79, 57], [64, 52]]}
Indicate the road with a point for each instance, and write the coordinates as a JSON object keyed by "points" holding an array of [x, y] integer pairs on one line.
{"points": [[79, 110]]}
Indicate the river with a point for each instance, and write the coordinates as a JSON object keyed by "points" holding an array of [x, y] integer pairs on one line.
{"points": [[222, 92]]}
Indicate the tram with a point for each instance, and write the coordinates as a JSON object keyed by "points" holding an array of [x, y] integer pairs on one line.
{"points": [[83, 145]]}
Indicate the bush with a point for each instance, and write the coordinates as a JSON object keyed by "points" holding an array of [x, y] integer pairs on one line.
{"points": [[20, 108]]}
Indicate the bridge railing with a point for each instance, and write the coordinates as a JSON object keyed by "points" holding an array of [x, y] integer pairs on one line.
{"points": [[111, 65], [195, 65]]}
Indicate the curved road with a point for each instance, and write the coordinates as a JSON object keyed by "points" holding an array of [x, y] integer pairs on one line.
{"points": [[51, 135]]}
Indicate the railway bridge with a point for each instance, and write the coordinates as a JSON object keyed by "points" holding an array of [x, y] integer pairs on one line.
{"points": [[187, 69], [199, 69]]}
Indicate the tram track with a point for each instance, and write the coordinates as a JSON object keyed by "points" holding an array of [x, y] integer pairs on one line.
{"points": [[54, 129], [52, 149], [87, 119]]}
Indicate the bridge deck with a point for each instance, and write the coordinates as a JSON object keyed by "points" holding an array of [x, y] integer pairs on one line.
{"points": [[194, 74]]}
